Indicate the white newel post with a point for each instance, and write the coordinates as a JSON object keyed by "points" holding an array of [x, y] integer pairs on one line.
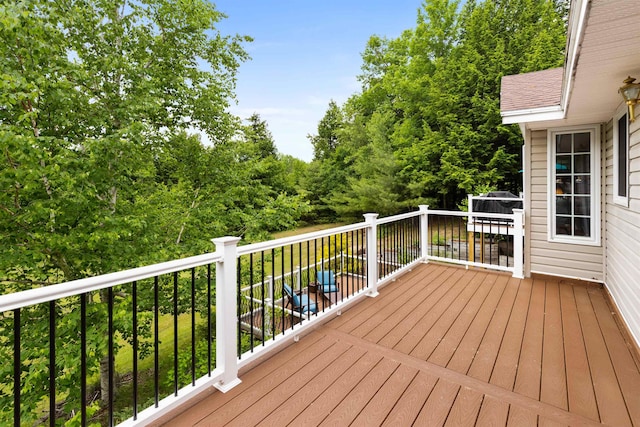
{"points": [[226, 320], [518, 243], [372, 254], [424, 231]]}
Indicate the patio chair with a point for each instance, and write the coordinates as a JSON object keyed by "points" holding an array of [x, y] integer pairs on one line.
{"points": [[328, 286], [300, 302]]}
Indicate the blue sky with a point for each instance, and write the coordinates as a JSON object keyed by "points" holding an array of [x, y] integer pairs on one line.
{"points": [[304, 54]]}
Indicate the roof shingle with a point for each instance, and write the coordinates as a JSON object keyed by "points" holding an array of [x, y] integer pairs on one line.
{"points": [[531, 90]]}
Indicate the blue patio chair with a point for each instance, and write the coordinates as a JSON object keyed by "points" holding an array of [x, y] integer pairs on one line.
{"points": [[300, 303], [327, 281]]}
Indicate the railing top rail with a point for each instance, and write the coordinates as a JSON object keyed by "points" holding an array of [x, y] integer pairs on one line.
{"points": [[400, 217], [510, 199], [276, 243], [473, 214], [80, 286]]}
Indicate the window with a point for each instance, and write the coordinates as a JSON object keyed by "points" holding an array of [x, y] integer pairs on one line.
{"points": [[621, 157], [574, 186]]}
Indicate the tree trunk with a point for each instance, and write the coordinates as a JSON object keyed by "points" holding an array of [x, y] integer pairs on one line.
{"points": [[104, 381]]}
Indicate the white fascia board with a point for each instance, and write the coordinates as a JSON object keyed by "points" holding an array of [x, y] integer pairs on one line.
{"points": [[533, 115], [575, 33]]}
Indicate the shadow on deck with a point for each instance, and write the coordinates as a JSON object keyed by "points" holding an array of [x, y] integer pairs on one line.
{"points": [[445, 345]]}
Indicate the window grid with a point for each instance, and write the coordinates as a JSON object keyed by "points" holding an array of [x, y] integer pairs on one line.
{"points": [[573, 184]]}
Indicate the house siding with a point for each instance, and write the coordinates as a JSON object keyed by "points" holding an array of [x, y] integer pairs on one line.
{"points": [[622, 226], [561, 259]]}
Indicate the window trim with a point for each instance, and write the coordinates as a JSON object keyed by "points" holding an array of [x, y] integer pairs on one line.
{"points": [[594, 239], [617, 199]]}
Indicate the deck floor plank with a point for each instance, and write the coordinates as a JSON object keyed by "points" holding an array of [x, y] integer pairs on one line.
{"points": [[520, 417], [464, 411], [443, 318], [436, 409], [305, 395], [411, 302], [444, 345], [469, 347], [608, 394], [553, 388], [350, 320], [442, 285], [625, 367], [406, 410], [493, 412], [326, 402], [530, 364], [452, 339], [580, 393], [277, 388], [386, 398], [485, 358], [360, 396], [506, 365]]}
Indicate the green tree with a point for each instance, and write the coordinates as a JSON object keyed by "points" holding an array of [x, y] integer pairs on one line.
{"points": [[90, 93], [437, 86]]}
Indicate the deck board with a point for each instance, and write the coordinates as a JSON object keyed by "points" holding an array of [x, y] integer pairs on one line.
{"points": [[385, 398], [580, 393], [445, 346], [530, 364], [553, 388], [608, 394]]}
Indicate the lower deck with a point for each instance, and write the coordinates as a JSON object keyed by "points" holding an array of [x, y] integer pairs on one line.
{"points": [[446, 346]]}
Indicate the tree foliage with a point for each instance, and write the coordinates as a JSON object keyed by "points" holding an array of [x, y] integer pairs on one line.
{"points": [[426, 126], [102, 104]]}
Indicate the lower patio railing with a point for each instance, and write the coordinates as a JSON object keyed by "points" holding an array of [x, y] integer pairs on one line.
{"points": [[127, 347]]}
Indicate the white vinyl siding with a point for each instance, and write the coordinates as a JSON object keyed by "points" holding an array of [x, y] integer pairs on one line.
{"points": [[561, 259], [622, 232]]}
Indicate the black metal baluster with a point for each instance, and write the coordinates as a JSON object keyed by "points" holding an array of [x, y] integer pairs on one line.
{"points": [[321, 282], [396, 239], [282, 288], [309, 278], [273, 293], [335, 259], [52, 363], [209, 319], [381, 255], [239, 305], [403, 249], [83, 359], [459, 236], [293, 287], [263, 310], [251, 282], [175, 333], [193, 326], [110, 351], [17, 368], [134, 313], [156, 342]]}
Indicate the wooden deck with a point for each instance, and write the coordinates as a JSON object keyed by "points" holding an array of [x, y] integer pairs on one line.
{"points": [[446, 346]]}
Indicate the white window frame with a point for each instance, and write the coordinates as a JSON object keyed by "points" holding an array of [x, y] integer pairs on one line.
{"points": [[594, 238], [617, 199]]}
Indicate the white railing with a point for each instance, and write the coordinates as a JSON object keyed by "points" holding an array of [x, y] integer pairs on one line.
{"points": [[386, 248]]}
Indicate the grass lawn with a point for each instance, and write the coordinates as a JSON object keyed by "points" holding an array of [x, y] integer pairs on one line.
{"points": [[308, 229], [297, 255]]}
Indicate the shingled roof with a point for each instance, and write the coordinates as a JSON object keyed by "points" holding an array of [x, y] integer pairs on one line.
{"points": [[531, 90]]}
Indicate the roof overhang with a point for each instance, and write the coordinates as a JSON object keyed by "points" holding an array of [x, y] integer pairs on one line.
{"points": [[533, 115], [603, 48]]}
